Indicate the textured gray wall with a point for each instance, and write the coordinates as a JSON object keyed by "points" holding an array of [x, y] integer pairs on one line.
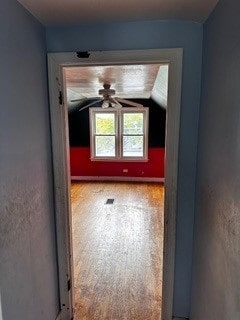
{"points": [[216, 276], [28, 272], [150, 35]]}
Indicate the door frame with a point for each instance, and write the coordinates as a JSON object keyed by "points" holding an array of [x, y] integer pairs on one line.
{"points": [[61, 168]]}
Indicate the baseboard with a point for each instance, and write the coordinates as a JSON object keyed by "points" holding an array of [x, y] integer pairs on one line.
{"points": [[110, 178]]}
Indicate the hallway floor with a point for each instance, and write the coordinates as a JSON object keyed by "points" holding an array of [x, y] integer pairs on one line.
{"points": [[117, 250]]}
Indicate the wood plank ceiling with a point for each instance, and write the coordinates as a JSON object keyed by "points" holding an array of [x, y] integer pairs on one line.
{"points": [[129, 81]]}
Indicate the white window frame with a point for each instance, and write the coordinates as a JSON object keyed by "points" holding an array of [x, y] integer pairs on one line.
{"points": [[119, 134]]}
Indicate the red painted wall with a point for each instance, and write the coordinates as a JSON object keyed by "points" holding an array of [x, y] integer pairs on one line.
{"points": [[81, 165]]}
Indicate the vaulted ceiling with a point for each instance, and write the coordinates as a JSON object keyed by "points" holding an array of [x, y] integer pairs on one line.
{"points": [[62, 12], [129, 81]]}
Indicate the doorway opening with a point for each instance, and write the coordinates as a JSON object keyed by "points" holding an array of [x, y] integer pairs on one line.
{"points": [[59, 62], [117, 227]]}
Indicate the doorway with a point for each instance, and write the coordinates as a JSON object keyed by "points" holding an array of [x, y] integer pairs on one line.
{"points": [[117, 120], [57, 62]]}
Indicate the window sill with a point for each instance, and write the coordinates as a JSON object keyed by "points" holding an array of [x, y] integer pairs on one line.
{"points": [[120, 159]]}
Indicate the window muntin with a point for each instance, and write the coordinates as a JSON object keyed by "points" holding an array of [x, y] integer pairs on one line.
{"points": [[119, 135]]}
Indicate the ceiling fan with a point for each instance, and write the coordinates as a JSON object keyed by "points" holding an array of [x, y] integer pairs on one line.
{"points": [[107, 99]]}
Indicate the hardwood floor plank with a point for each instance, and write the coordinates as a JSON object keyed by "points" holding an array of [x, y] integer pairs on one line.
{"points": [[118, 250]]}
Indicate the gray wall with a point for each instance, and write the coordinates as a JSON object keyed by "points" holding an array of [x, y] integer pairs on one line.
{"points": [[147, 35], [216, 277], [28, 272]]}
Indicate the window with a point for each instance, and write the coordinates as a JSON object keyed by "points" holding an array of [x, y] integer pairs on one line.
{"points": [[119, 134]]}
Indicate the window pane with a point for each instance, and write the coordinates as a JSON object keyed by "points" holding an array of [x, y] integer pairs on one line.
{"points": [[105, 123], [133, 123], [105, 146], [133, 146]]}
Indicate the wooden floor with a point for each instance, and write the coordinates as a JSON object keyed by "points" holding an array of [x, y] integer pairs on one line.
{"points": [[118, 250]]}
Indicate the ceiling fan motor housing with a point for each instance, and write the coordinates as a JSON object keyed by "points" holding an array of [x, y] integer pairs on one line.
{"points": [[107, 92]]}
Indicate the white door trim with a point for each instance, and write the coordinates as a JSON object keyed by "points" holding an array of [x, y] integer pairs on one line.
{"points": [[60, 150]]}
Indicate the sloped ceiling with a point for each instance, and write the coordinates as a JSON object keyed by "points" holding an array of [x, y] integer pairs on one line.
{"points": [[129, 81], [62, 12]]}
